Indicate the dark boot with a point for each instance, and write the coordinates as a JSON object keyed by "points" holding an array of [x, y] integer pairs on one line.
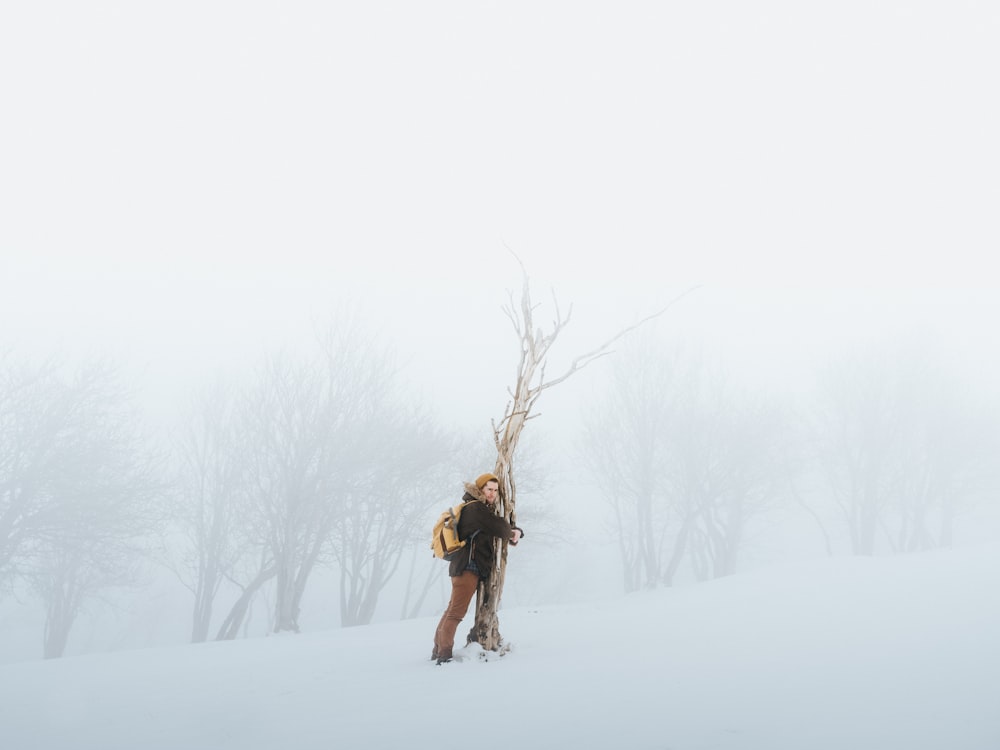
{"points": [[444, 656]]}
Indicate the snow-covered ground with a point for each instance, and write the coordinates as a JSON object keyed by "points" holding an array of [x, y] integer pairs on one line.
{"points": [[844, 654]]}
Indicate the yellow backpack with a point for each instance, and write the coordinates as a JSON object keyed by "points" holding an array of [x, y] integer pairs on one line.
{"points": [[444, 540]]}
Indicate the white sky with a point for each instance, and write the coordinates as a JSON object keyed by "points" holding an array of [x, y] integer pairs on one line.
{"points": [[190, 182]]}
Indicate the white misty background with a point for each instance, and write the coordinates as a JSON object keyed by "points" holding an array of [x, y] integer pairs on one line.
{"points": [[252, 265]]}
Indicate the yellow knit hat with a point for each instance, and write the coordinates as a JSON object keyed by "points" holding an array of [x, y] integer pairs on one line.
{"points": [[482, 479]]}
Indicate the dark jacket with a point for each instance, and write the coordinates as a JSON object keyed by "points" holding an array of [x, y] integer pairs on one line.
{"points": [[477, 515]]}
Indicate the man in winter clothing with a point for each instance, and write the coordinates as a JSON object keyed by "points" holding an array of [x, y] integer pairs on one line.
{"points": [[479, 526]]}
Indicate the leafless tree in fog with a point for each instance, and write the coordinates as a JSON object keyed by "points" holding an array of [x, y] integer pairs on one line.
{"points": [[210, 503], [301, 420], [684, 460], [903, 447], [624, 443], [530, 382], [400, 480], [264, 479], [321, 460], [954, 466], [78, 507], [32, 413], [726, 455]]}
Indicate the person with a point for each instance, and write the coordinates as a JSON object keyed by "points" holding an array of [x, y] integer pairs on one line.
{"points": [[479, 525]]}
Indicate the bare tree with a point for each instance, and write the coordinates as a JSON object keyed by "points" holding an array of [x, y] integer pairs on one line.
{"points": [[300, 428], [860, 426], [625, 442], [418, 582], [900, 444], [401, 480], [334, 456], [263, 572], [259, 498], [684, 461], [726, 452], [210, 503], [320, 461], [529, 384], [34, 411], [78, 567], [80, 488], [950, 463]]}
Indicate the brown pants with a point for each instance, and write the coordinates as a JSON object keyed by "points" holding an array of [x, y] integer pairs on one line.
{"points": [[463, 588]]}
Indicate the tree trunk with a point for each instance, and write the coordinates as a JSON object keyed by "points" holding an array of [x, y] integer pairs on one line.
{"points": [[680, 550], [207, 586], [58, 621], [231, 625], [408, 611]]}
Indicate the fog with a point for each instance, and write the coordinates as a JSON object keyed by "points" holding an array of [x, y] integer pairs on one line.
{"points": [[194, 190]]}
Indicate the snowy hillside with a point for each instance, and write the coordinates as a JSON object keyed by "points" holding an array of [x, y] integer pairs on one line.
{"points": [[834, 654]]}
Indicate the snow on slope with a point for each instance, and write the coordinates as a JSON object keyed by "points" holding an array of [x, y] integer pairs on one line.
{"points": [[845, 654]]}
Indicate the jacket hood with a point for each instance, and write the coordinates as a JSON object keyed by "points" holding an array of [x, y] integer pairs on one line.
{"points": [[472, 490]]}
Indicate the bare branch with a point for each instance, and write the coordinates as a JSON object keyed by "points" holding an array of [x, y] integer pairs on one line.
{"points": [[604, 349]]}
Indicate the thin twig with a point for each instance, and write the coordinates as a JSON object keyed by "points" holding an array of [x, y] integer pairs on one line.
{"points": [[585, 359]]}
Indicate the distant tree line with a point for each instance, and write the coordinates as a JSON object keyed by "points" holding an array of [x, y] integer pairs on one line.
{"points": [[317, 461], [886, 451], [323, 460], [313, 460]]}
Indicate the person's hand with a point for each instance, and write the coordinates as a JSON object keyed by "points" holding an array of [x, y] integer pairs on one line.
{"points": [[516, 537]]}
